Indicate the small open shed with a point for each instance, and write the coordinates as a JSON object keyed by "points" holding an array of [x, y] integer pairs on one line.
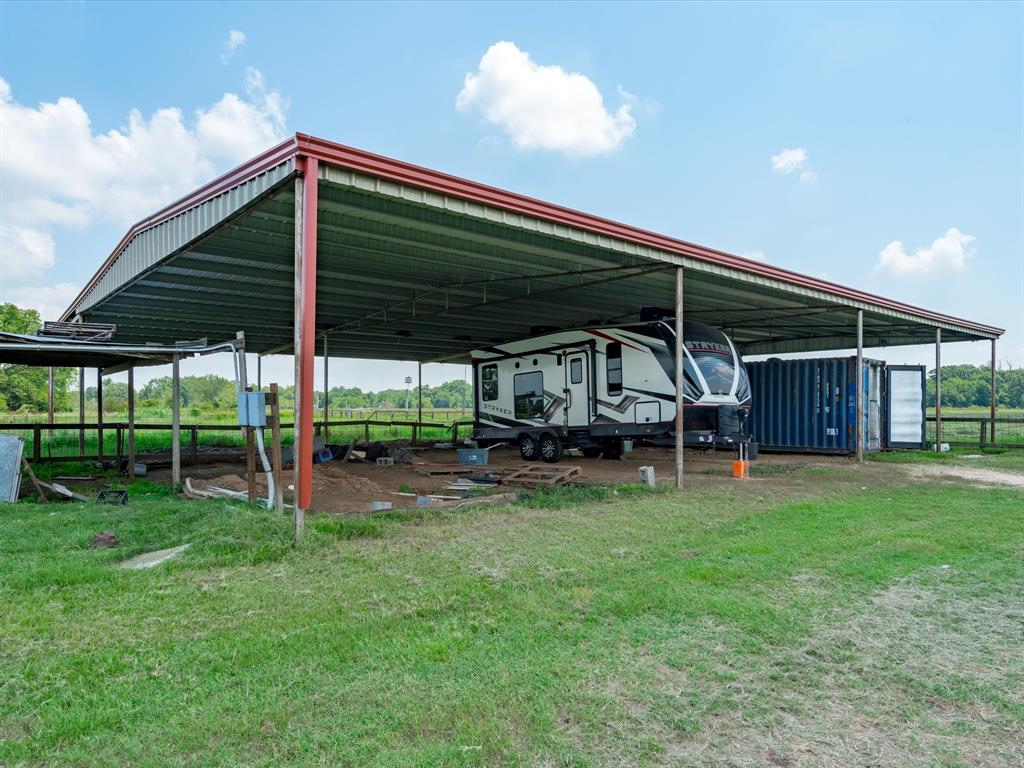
{"points": [[314, 247]]}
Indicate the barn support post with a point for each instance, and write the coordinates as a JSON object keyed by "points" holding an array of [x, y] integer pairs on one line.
{"points": [[305, 333], [679, 377], [81, 411], [326, 396], [419, 398], [992, 395], [860, 385], [99, 414], [259, 371], [131, 422], [49, 400], [175, 423], [938, 389]]}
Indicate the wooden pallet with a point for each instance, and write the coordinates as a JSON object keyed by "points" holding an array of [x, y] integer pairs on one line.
{"points": [[537, 476]]}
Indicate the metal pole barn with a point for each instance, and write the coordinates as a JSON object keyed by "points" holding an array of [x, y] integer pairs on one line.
{"points": [[131, 422], [305, 331], [679, 377], [938, 389], [860, 385], [992, 403], [175, 424]]}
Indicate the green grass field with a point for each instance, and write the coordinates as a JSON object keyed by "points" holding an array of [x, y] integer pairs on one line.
{"points": [[830, 616]]}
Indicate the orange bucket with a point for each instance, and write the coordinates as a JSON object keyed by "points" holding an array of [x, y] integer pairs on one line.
{"points": [[740, 469]]}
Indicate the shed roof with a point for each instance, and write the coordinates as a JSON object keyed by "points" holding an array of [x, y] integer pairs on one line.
{"points": [[417, 264]]}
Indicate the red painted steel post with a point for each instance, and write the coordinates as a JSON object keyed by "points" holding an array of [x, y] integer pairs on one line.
{"points": [[306, 338]]}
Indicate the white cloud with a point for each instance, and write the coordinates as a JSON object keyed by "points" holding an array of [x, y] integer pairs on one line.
{"points": [[946, 254], [235, 39], [808, 176], [789, 160], [58, 173], [27, 253], [544, 107], [754, 255], [49, 300]]}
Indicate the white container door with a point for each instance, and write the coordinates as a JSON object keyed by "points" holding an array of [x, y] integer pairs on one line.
{"points": [[577, 390]]}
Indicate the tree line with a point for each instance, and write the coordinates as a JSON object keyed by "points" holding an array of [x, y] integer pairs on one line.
{"points": [[24, 389]]}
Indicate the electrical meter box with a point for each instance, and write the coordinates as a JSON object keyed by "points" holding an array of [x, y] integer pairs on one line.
{"points": [[252, 409]]}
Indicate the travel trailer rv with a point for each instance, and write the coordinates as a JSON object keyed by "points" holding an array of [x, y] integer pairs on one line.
{"points": [[593, 388]]}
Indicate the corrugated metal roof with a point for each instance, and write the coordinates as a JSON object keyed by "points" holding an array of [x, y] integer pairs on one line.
{"points": [[413, 264]]}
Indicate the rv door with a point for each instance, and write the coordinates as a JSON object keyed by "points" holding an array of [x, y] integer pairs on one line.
{"points": [[577, 390]]}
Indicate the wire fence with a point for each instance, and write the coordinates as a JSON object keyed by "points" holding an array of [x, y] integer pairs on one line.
{"points": [[217, 435], [977, 431]]}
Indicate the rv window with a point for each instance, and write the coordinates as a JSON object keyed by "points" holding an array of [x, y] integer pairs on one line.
{"points": [[529, 395], [576, 371], [614, 353], [489, 382]]}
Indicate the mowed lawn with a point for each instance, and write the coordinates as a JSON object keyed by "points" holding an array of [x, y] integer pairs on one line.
{"points": [[829, 616]]}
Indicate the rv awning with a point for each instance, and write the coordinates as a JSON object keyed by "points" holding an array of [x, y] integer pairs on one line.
{"points": [[418, 265]]}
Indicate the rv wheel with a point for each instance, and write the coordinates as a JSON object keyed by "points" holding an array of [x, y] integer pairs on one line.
{"points": [[528, 448], [550, 448]]}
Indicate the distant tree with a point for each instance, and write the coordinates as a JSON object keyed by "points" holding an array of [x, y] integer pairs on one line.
{"points": [[22, 387], [965, 386]]}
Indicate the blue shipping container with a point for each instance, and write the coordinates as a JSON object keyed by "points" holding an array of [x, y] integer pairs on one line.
{"points": [[811, 405]]}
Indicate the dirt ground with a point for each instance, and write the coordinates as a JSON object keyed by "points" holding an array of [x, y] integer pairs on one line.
{"points": [[352, 487]]}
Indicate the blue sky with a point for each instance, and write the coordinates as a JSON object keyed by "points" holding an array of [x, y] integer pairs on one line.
{"points": [[910, 119]]}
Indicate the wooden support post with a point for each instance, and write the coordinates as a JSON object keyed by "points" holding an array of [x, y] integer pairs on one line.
{"points": [[81, 411], [327, 434], [419, 400], [131, 422], [679, 354], [306, 194], [49, 399], [366, 430], [175, 424], [938, 389], [99, 413], [275, 448], [194, 444], [992, 402], [118, 445], [37, 443], [259, 371], [860, 386]]}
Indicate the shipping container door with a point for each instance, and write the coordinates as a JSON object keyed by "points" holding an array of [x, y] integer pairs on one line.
{"points": [[905, 426]]}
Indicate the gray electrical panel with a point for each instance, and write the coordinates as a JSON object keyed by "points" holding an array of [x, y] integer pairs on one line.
{"points": [[252, 409]]}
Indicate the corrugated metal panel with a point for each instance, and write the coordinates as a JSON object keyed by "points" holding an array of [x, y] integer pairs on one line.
{"points": [[158, 242], [811, 405]]}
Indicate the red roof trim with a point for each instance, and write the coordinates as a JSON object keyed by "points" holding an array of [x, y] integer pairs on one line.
{"points": [[233, 178], [417, 176]]}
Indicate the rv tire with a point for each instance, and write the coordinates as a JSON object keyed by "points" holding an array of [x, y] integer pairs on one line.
{"points": [[550, 448], [529, 448]]}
